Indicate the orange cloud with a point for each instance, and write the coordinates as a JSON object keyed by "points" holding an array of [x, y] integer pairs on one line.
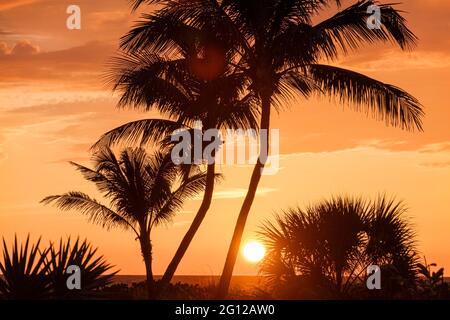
{"points": [[24, 48]]}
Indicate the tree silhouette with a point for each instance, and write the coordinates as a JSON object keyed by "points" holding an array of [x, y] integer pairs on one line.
{"points": [[187, 89], [280, 50], [144, 191]]}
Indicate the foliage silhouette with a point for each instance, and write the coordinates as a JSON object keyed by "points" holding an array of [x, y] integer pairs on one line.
{"points": [[32, 273], [92, 269], [184, 90], [24, 271], [144, 191], [323, 251], [280, 50]]}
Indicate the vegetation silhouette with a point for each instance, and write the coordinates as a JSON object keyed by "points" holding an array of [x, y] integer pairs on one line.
{"points": [[280, 51], [323, 251], [32, 273], [144, 191], [147, 81]]}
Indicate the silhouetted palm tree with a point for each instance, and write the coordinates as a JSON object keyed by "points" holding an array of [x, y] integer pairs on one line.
{"points": [[187, 89], [143, 192], [323, 251], [279, 49]]}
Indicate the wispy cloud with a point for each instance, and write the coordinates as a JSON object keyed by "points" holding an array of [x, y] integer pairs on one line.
{"points": [[238, 193], [444, 164]]}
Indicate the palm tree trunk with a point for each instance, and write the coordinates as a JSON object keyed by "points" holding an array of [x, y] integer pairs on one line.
{"points": [[146, 248], [246, 206], [204, 207]]}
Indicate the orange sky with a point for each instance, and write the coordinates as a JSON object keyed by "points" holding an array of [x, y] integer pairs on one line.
{"points": [[53, 106]]}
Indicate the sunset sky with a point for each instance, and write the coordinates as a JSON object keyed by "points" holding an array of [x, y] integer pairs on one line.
{"points": [[54, 106]]}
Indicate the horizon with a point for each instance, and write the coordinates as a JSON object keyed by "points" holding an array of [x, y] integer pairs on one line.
{"points": [[54, 106]]}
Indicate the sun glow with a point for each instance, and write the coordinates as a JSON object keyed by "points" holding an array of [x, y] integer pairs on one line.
{"points": [[254, 251]]}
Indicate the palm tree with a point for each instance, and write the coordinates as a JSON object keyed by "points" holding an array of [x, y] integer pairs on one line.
{"points": [[144, 191], [323, 251], [185, 90], [279, 49]]}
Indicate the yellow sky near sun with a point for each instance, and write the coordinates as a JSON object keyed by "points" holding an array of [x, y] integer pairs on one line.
{"points": [[53, 106]]}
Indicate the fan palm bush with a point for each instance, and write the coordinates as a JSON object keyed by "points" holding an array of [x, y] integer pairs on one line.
{"points": [[324, 251], [144, 192]]}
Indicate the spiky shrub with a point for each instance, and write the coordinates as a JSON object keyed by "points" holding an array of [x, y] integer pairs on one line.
{"points": [[24, 272], [31, 273], [93, 269]]}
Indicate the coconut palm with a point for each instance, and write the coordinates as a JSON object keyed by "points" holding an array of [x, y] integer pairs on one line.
{"points": [[144, 191], [187, 89], [281, 51], [324, 250]]}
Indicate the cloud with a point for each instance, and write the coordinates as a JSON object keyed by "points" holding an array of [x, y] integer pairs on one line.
{"points": [[82, 65], [398, 61], [435, 147], [238, 193], [4, 50], [24, 48], [5, 33], [437, 164], [14, 4]]}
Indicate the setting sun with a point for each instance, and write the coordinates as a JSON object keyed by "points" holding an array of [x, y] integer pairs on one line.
{"points": [[254, 251]]}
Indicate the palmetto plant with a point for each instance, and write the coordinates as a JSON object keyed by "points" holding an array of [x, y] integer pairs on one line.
{"points": [[29, 272], [95, 272], [282, 53], [24, 271], [144, 191], [187, 89], [327, 247]]}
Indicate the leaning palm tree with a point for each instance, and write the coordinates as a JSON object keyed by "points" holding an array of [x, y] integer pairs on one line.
{"points": [[323, 251], [144, 191], [197, 85], [280, 50]]}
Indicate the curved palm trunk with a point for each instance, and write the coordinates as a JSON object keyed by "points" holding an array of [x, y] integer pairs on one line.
{"points": [[246, 206], [204, 207], [146, 248]]}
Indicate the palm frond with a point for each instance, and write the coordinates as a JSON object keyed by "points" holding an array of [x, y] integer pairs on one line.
{"points": [[188, 189], [138, 132], [96, 212], [383, 101]]}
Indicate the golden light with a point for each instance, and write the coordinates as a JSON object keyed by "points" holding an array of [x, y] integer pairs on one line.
{"points": [[254, 251]]}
